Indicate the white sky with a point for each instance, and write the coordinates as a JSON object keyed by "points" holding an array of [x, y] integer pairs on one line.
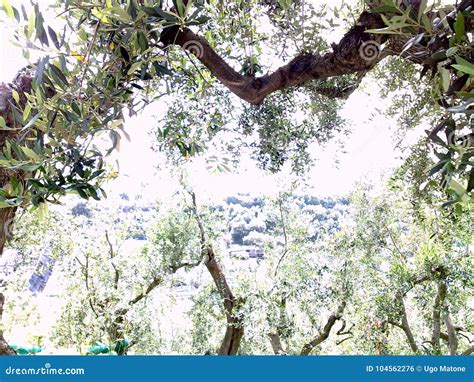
{"points": [[369, 150]]}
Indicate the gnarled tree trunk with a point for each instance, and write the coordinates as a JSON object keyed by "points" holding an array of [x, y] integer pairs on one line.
{"points": [[21, 84], [7, 216], [235, 329]]}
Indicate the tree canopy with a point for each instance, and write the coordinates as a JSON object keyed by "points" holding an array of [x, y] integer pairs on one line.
{"points": [[98, 59]]}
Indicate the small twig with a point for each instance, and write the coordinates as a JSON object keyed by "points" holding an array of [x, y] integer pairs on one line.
{"points": [[87, 55], [341, 331], [196, 67], [344, 339]]}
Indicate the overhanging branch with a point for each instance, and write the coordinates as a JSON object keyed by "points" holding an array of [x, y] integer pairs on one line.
{"points": [[346, 58]]}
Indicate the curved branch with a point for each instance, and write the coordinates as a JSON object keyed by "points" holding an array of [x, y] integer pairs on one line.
{"points": [[234, 330], [308, 348], [153, 284], [346, 58]]}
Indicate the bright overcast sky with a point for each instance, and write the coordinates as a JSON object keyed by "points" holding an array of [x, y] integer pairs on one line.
{"points": [[369, 150]]}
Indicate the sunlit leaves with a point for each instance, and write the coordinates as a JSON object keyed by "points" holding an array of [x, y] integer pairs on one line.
{"points": [[451, 61], [464, 66], [3, 125]]}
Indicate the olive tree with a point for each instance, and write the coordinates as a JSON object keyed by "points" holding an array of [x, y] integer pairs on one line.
{"points": [[247, 61]]}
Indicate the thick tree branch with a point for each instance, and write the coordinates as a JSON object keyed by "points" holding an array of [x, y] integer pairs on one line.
{"points": [[308, 348], [452, 336], [152, 285], [346, 58], [405, 326], [357, 52], [275, 336], [234, 330], [277, 346], [436, 317], [7, 216]]}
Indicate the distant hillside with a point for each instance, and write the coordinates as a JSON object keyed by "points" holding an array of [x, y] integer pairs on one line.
{"points": [[247, 220]]}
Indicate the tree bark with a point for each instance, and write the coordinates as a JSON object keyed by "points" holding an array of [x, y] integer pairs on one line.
{"points": [[346, 58], [452, 336], [436, 317], [7, 216], [22, 85], [277, 346], [357, 53], [321, 337], [234, 330], [405, 326]]}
